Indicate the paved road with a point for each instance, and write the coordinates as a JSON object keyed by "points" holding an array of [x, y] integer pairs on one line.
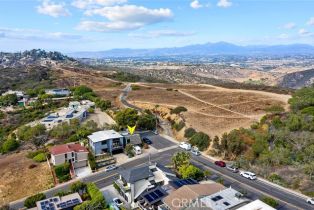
{"points": [[254, 189], [158, 142]]}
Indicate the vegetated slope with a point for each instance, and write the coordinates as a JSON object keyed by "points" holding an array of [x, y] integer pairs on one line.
{"points": [[298, 79], [32, 57], [280, 147]]}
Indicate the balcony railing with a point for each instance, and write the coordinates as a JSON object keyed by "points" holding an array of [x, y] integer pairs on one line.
{"points": [[122, 186]]}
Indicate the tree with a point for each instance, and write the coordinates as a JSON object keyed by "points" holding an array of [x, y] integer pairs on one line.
{"points": [[78, 187], [126, 117], [302, 98], [201, 140], [30, 202], [294, 123], [216, 144], [181, 158], [188, 133], [146, 122], [7, 100], [10, 145], [178, 110], [191, 171], [103, 104], [129, 150]]}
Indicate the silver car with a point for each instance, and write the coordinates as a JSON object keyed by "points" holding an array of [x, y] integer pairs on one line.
{"points": [[232, 168]]}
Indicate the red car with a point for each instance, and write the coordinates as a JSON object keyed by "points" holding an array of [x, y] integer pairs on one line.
{"points": [[220, 163]]}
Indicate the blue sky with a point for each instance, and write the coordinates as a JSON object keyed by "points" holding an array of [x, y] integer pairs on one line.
{"points": [[93, 25]]}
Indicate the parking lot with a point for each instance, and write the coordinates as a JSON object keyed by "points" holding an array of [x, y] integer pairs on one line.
{"points": [[158, 142]]}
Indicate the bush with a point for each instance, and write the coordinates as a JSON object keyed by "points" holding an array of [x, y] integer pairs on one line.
{"points": [[275, 109], [307, 111], [188, 133], [178, 126], [97, 201], [129, 150], [30, 202], [201, 140], [41, 157], [146, 122], [270, 201], [31, 155], [9, 145], [190, 171], [178, 110], [63, 172], [92, 161]]}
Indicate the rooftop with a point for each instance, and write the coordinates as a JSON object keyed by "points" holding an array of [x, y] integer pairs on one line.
{"points": [[66, 148], [256, 205], [104, 135], [190, 193], [136, 174]]}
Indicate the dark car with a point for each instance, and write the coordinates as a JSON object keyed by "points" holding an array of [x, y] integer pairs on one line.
{"points": [[220, 163], [147, 140]]}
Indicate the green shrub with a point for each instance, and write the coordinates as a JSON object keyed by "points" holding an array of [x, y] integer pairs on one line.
{"points": [[188, 133], [31, 155], [270, 201], [201, 140], [191, 171], [30, 202], [178, 110], [136, 87], [275, 109], [307, 110], [178, 126], [9, 145], [92, 161], [63, 172], [41, 157]]}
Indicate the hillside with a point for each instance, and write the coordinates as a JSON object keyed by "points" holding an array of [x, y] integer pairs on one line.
{"points": [[32, 57], [298, 79]]}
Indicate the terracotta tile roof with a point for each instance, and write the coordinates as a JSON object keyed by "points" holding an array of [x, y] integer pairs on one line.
{"points": [[190, 193], [65, 148]]}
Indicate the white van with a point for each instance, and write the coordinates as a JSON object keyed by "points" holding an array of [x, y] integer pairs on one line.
{"points": [[137, 150]]}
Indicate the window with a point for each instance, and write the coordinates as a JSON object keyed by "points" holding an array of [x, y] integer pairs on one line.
{"points": [[103, 142], [217, 198], [226, 203], [65, 155]]}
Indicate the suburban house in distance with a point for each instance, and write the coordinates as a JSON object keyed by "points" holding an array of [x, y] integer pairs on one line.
{"points": [[75, 110], [75, 154], [58, 92], [66, 202], [137, 182]]}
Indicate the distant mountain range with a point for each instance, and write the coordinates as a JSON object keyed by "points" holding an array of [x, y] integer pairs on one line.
{"points": [[219, 48]]}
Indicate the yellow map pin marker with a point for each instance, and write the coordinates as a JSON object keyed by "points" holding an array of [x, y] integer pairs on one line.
{"points": [[131, 129]]}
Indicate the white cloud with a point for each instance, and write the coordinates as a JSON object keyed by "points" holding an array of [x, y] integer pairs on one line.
{"points": [[52, 9], [311, 21], [304, 32], [224, 3], [162, 33], [31, 34], [126, 17], [196, 4], [290, 25], [84, 4]]}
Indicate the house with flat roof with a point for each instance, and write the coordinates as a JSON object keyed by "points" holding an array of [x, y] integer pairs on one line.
{"points": [[134, 184], [61, 92], [256, 205], [67, 202], [75, 154], [107, 141], [75, 110]]}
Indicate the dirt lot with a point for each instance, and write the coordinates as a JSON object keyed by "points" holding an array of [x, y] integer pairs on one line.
{"points": [[18, 181], [213, 110]]}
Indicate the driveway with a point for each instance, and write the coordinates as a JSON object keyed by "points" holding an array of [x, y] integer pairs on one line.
{"points": [[158, 142], [110, 193]]}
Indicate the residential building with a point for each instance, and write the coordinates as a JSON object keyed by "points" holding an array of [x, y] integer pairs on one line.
{"points": [[67, 202], [19, 94], [186, 196], [135, 183], [256, 205], [75, 154], [107, 141], [58, 92], [75, 110]]}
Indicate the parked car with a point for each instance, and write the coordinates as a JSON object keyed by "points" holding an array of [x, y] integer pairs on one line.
{"points": [[110, 168], [248, 175], [310, 201], [147, 140], [220, 163], [232, 168], [117, 202], [195, 152], [185, 146], [137, 150]]}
